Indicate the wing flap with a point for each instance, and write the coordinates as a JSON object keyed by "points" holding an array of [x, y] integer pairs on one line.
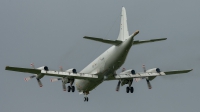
{"points": [[136, 42], [68, 74], [113, 42]]}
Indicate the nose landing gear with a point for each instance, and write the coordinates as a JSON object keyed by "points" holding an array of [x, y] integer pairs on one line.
{"points": [[86, 99]]}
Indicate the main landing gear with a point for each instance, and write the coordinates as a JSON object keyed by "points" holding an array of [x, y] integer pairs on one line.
{"points": [[71, 87], [130, 88]]}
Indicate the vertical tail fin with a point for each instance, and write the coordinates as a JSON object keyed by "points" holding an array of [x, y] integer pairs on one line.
{"points": [[123, 33]]}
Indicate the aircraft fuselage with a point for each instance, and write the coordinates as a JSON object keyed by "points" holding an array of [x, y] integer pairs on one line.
{"points": [[105, 65]]}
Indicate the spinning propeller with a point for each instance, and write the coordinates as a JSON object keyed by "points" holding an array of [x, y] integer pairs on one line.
{"points": [[63, 80], [33, 76], [119, 82], [147, 80]]}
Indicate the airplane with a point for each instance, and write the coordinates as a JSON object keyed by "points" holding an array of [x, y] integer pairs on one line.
{"points": [[104, 67]]}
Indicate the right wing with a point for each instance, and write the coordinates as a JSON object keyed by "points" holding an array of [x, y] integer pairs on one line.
{"points": [[136, 42], [150, 74]]}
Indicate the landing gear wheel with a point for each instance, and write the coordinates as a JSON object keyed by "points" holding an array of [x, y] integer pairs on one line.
{"points": [[69, 88], [131, 89], [86, 99], [127, 89], [73, 88]]}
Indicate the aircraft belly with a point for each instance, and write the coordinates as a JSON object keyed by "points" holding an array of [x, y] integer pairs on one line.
{"points": [[87, 85]]}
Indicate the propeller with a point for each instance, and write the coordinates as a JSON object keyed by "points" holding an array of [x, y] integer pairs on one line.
{"points": [[144, 68], [32, 65], [149, 84], [119, 82], [118, 85], [61, 69], [33, 76], [64, 87], [28, 78], [55, 79], [147, 80], [63, 81], [39, 82]]}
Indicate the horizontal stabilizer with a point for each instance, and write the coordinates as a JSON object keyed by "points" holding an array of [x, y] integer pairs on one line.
{"points": [[52, 73], [150, 74], [136, 42], [113, 42]]}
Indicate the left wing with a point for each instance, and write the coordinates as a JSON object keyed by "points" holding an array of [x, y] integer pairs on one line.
{"points": [[52, 73], [66, 77], [113, 42], [150, 74]]}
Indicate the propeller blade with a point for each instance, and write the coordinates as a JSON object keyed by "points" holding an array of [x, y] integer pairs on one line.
{"points": [[118, 86], [64, 87], [148, 84], [137, 79], [39, 82], [28, 78], [123, 69], [55, 79], [32, 64], [144, 68], [61, 69]]}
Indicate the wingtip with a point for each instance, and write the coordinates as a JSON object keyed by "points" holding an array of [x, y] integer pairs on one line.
{"points": [[6, 67]]}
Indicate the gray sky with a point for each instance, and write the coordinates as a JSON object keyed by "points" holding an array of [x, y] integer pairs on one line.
{"points": [[49, 32]]}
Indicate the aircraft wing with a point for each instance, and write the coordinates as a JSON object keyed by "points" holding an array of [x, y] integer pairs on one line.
{"points": [[136, 42], [150, 74], [113, 42], [52, 73]]}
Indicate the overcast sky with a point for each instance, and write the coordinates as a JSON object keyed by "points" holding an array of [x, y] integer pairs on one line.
{"points": [[49, 32]]}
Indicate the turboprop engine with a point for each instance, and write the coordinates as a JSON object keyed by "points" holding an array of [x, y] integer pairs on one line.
{"points": [[72, 70], [154, 70], [148, 79], [131, 71], [37, 76], [123, 82]]}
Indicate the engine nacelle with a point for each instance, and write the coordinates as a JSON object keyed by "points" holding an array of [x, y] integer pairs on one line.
{"points": [[72, 70], [154, 70], [43, 68], [131, 71]]}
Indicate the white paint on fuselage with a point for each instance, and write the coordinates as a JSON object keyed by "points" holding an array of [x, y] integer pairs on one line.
{"points": [[104, 65]]}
